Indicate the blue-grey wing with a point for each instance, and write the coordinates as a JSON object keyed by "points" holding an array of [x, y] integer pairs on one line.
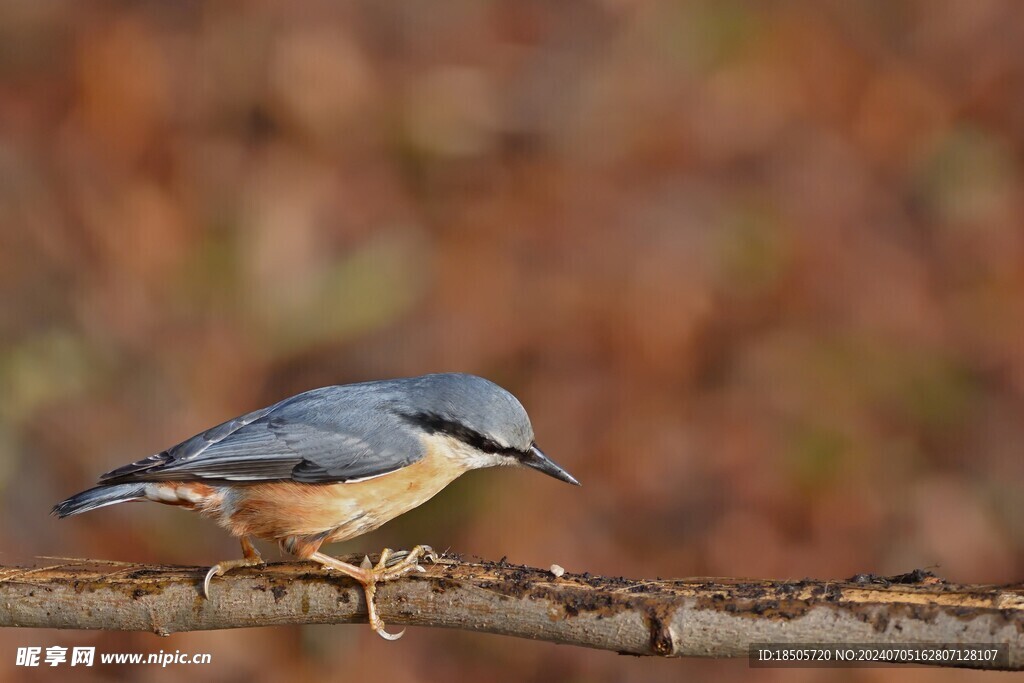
{"points": [[325, 435]]}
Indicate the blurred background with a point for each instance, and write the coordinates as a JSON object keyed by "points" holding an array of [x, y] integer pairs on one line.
{"points": [[755, 269]]}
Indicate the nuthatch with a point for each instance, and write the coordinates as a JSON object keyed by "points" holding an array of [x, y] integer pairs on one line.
{"points": [[330, 464]]}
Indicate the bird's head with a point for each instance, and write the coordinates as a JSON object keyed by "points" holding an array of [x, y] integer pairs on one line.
{"points": [[485, 425]]}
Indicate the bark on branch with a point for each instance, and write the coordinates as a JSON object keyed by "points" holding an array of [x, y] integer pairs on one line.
{"points": [[686, 617]]}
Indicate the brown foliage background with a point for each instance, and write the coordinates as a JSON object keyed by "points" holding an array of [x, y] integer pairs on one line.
{"points": [[756, 270]]}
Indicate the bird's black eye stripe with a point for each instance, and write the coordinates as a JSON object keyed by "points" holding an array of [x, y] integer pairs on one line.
{"points": [[435, 424]]}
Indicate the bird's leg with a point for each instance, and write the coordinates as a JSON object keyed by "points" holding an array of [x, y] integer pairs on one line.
{"points": [[250, 558], [369, 576]]}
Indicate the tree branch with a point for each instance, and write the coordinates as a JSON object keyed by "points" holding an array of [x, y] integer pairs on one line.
{"points": [[689, 617]]}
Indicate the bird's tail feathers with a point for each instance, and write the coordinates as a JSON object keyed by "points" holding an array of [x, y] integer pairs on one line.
{"points": [[99, 496]]}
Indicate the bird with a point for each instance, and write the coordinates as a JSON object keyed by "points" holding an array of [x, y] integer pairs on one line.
{"points": [[331, 464]]}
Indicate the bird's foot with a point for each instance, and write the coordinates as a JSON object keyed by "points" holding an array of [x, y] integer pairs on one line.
{"points": [[391, 565], [394, 564], [250, 558], [222, 568]]}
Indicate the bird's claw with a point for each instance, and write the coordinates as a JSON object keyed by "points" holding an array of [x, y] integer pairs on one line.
{"points": [[215, 570], [221, 568], [391, 565], [384, 633]]}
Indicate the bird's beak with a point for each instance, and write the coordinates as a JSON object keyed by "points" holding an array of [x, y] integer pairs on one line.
{"points": [[536, 459]]}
